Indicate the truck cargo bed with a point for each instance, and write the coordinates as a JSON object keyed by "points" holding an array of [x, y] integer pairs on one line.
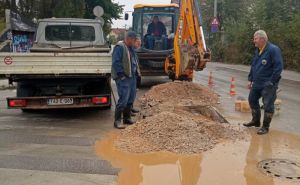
{"points": [[54, 63]]}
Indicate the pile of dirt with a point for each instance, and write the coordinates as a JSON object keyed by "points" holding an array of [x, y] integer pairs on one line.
{"points": [[177, 117]]}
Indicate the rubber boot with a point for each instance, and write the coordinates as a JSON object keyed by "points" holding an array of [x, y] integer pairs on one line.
{"points": [[133, 114], [255, 122], [134, 111], [127, 116], [266, 124], [118, 119]]}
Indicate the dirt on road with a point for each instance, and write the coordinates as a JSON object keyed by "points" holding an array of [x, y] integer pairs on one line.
{"points": [[178, 117]]}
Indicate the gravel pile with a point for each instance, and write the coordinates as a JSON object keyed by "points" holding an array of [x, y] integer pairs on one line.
{"points": [[177, 117]]}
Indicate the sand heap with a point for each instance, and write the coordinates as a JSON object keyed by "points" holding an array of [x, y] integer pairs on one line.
{"points": [[177, 117]]}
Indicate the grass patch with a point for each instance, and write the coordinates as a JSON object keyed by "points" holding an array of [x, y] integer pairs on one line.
{"points": [[2, 24]]}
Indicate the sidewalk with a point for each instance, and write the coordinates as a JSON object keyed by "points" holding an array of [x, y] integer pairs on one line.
{"points": [[286, 74]]}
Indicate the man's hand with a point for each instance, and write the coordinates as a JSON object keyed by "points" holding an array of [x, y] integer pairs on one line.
{"points": [[123, 77], [269, 84], [250, 85]]}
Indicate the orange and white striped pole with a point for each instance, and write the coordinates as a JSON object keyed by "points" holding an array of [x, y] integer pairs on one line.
{"points": [[210, 79], [232, 87]]}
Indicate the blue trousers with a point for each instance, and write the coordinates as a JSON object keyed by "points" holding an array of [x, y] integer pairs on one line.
{"points": [[268, 94], [126, 91]]}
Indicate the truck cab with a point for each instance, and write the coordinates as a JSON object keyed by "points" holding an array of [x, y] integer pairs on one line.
{"points": [[157, 41], [55, 34]]}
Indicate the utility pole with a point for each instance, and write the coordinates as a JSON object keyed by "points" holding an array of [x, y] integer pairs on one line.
{"points": [[215, 8], [7, 18], [13, 5]]}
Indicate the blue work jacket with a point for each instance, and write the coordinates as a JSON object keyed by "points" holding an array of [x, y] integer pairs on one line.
{"points": [[266, 67], [120, 61]]}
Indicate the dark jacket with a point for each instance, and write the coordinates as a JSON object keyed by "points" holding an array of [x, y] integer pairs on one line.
{"points": [[159, 26], [122, 63], [266, 68]]}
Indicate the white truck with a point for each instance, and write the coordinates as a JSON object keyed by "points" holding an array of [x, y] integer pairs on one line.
{"points": [[69, 66]]}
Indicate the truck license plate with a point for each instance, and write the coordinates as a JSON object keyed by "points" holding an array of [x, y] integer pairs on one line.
{"points": [[60, 101]]}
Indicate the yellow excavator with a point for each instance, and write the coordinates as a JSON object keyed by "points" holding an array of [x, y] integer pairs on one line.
{"points": [[180, 49], [190, 52]]}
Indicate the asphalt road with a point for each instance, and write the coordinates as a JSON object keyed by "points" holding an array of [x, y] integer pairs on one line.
{"points": [[58, 147], [55, 146]]}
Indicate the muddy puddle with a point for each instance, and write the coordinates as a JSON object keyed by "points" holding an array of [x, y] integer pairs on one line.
{"points": [[231, 163]]}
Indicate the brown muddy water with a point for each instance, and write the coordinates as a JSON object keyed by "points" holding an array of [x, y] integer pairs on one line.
{"points": [[234, 163]]}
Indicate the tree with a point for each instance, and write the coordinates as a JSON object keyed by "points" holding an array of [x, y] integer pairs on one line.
{"points": [[69, 8], [28, 8], [282, 23], [240, 19]]}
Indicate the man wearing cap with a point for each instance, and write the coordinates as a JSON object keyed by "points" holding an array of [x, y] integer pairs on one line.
{"points": [[156, 29], [264, 77], [124, 72]]}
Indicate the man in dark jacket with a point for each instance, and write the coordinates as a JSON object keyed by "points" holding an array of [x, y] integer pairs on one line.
{"points": [[156, 29], [263, 78], [124, 72]]}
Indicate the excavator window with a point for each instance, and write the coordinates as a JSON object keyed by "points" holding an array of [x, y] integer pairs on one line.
{"points": [[156, 37], [158, 31]]}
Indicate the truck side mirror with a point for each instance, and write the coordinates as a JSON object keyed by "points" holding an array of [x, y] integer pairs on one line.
{"points": [[126, 16]]}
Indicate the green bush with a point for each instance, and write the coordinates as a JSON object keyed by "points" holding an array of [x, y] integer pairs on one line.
{"points": [[2, 25], [240, 19]]}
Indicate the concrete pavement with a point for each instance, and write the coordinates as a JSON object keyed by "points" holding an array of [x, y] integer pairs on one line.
{"points": [[34, 177]]}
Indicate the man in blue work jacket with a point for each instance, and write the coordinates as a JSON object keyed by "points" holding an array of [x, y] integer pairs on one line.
{"points": [[124, 72], [263, 78]]}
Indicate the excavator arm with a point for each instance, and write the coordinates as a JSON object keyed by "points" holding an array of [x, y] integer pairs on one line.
{"points": [[190, 51]]}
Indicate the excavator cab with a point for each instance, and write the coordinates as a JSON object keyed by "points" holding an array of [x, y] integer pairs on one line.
{"points": [[156, 26]]}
